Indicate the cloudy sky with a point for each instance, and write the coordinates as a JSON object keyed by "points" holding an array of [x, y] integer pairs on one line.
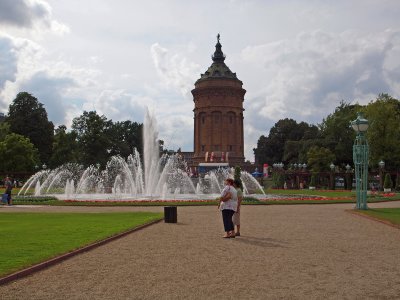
{"points": [[297, 59]]}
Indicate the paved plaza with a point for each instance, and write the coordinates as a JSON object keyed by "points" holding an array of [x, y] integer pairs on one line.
{"points": [[285, 252]]}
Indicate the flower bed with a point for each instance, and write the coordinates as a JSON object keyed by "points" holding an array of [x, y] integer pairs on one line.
{"points": [[138, 201], [305, 198]]}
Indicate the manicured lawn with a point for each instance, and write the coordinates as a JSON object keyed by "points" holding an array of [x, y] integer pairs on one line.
{"points": [[328, 193], [289, 196], [391, 215], [29, 238]]}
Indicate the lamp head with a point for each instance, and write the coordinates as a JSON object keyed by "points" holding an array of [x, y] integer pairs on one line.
{"points": [[381, 164], [360, 125]]}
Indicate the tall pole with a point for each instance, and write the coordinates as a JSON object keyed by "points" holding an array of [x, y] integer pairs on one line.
{"points": [[360, 157], [381, 171]]}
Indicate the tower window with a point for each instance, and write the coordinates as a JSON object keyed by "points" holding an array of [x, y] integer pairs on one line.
{"points": [[203, 147], [230, 148], [230, 119], [203, 119]]}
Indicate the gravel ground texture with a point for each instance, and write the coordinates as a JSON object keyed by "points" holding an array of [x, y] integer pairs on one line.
{"points": [[285, 252]]}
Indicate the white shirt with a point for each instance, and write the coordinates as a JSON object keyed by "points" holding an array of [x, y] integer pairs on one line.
{"points": [[231, 203]]}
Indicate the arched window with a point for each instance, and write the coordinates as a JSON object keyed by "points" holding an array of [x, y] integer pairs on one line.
{"points": [[231, 117], [216, 116], [202, 117]]}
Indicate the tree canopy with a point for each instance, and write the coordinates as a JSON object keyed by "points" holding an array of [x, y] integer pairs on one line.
{"points": [[336, 133], [65, 147], [17, 154], [384, 131], [98, 138], [284, 142], [289, 141], [28, 117]]}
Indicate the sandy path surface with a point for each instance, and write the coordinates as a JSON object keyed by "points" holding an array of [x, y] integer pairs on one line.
{"points": [[285, 252]]}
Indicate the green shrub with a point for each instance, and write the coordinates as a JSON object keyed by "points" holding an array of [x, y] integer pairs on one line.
{"points": [[238, 172], [278, 179], [313, 180], [387, 184]]}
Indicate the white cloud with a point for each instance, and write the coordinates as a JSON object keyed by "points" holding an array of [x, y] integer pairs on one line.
{"points": [[175, 71], [8, 60], [18, 58], [305, 78], [119, 105]]}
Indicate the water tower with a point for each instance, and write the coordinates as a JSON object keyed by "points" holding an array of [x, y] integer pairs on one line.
{"points": [[218, 114]]}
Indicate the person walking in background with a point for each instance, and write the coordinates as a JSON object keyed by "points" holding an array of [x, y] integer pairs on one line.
{"points": [[8, 186], [228, 206], [236, 216]]}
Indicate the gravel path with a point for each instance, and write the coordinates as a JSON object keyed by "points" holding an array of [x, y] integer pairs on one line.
{"points": [[285, 252]]}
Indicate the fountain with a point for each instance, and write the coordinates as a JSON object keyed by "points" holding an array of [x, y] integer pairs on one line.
{"points": [[164, 178]]}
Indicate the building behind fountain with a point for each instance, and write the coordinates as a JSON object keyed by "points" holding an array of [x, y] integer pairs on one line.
{"points": [[218, 117]]}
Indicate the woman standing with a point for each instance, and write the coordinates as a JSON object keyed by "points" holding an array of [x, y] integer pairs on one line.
{"points": [[236, 216], [228, 206]]}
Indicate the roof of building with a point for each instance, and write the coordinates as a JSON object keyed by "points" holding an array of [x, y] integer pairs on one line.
{"points": [[218, 68]]}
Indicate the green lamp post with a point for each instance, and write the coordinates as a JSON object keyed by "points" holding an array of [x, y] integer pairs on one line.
{"points": [[381, 170], [332, 167], [360, 157]]}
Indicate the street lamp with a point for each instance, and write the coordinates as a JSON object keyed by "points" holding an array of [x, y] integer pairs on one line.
{"points": [[349, 183], [381, 164], [332, 166], [381, 169], [360, 157]]}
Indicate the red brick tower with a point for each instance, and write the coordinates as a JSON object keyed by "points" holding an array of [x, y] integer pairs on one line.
{"points": [[218, 114]]}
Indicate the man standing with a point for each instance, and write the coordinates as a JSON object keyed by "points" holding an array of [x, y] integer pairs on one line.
{"points": [[8, 185]]}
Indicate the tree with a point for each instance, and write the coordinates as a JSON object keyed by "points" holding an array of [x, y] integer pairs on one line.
{"points": [[319, 158], [91, 132], [261, 153], [397, 185], [4, 130], [313, 180], [278, 179], [388, 183], [124, 137], [237, 176], [65, 147], [17, 154], [337, 135], [28, 117], [383, 133], [272, 148]]}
